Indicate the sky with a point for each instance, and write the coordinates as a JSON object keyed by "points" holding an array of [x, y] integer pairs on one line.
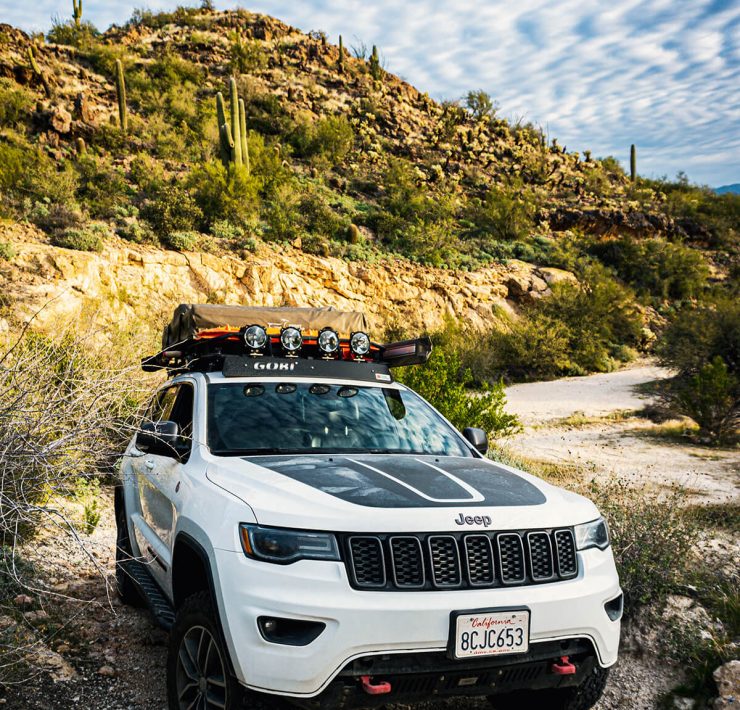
{"points": [[596, 74]]}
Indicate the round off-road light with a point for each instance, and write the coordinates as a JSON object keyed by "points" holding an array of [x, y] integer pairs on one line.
{"points": [[291, 339], [359, 343], [255, 337], [328, 341]]}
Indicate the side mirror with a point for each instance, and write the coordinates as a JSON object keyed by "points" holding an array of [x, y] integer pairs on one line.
{"points": [[157, 438], [477, 437]]}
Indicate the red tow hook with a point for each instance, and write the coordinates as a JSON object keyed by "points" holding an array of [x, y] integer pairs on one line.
{"points": [[372, 688], [563, 667]]}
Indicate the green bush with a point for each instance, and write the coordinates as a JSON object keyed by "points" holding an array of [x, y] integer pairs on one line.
{"points": [[69, 33], [172, 208], [651, 537], [16, 103], [182, 241], [506, 214], [443, 382], [479, 103], [702, 343], [85, 239], [225, 194], [655, 267], [102, 186], [7, 252], [711, 398], [327, 140], [245, 56]]}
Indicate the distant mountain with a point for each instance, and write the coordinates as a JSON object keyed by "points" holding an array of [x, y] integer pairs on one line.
{"points": [[735, 189]]}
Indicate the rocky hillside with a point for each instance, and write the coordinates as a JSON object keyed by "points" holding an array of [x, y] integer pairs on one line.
{"points": [[358, 190]]}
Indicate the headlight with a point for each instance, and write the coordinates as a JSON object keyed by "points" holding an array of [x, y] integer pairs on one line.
{"points": [[593, 534], [285, 546]]}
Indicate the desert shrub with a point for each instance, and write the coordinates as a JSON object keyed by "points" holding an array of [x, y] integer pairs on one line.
{"points": [[223, 229], [479, 104], [228, 194], [16, 102], [711, 398], [245, 55], [182, 241], [83, 239], [702, 343], [415, 219], [67, 32], [53, 217], [601, 315], [327, 140], [655, 267], [102, 186], [651, 538], [103, 56], [443, 382], [7, 252], [506, 214], [171, 208], [535, 346]]}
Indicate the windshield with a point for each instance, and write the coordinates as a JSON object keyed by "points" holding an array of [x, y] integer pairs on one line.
{"points": [[292, 417]]}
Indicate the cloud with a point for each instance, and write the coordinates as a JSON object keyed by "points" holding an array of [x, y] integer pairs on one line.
{"points": [[663, 74]]}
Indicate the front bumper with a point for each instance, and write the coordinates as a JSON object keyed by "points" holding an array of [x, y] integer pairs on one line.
{"points": [[362, 623]]}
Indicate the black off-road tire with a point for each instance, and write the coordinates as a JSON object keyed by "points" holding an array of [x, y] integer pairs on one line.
{"points": [[197, 619], [581, 697], [127, 590]]}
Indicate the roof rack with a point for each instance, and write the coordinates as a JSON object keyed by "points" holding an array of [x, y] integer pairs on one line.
{"points": [[313, 334]]}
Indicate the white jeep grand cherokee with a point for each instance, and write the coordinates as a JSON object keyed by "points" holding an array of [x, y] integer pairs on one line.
{"points": [[314, 533]]}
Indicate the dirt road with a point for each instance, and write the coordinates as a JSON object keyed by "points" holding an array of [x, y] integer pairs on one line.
{"points": [[572, 421]]}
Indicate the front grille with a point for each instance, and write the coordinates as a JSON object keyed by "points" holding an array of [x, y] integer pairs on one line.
{"points": [[460, 561]]}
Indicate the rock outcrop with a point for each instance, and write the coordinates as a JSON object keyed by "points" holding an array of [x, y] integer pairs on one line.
{"points": [[128, 284]]}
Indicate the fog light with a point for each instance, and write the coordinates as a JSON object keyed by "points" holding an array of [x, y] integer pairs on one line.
{"points": [[615, 607], [289, 632], [359, 343], [291, 339]]}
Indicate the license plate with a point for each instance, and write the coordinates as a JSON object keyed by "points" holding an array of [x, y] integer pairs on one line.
{"points": [[489, 633]]}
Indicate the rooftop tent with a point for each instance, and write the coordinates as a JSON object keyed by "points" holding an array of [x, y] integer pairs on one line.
{"points": [[190, 319]]}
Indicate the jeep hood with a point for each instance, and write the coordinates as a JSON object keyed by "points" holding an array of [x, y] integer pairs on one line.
{"points": [[395, 493]]}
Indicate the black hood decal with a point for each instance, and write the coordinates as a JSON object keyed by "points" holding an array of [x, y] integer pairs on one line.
{"points": [[406, 481]]}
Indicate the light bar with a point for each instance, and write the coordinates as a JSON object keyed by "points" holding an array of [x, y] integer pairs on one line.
{"points": [[291, 340]]}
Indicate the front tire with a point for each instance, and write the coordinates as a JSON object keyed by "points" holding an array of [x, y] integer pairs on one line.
{"points": [[581, 697]]}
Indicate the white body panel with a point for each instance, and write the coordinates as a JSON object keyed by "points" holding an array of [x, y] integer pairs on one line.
{"points": [[209, 496]]}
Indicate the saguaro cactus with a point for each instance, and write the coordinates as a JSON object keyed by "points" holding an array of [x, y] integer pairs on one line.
{"points": [[121, 92], [234, 148], [340, 63], [77, 12], [375, 70], [37, 71], [633, 163]]}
